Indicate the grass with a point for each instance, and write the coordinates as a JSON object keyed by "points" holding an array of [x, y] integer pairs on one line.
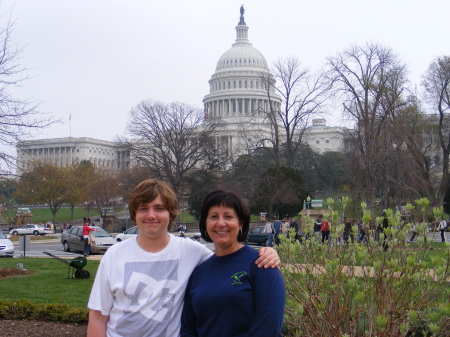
{"points": [[34, 238], [49, 285], [42, 215]]}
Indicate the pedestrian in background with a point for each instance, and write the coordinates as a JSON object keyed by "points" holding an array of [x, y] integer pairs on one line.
{"points": [[442, 227], [325, 230], [294, 224], [317, 226], [277, 227], [285, 227], [347, 231], [85, 233], [270, 230]]}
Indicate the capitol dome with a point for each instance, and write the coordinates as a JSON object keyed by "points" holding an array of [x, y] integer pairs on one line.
{"points": [[242, 55], [239, 97]]}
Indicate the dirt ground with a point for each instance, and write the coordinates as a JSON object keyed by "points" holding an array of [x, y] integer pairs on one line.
{"points": [[10, 272], [20, 328]]}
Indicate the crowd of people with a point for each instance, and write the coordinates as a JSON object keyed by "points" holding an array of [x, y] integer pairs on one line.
{"points": [[354, 230]]}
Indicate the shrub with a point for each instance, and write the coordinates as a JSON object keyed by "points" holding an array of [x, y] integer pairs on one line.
{"points": [[380, 288], [24, 309]]}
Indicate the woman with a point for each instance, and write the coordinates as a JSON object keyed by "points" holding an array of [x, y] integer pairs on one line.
{"points": [[227, 296], [325, 230], [85, 233]]}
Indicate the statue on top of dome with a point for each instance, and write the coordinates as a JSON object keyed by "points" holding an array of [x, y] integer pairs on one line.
{"points": [[241, 21]]}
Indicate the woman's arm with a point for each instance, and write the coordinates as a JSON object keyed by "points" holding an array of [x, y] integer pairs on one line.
{"points": [[268, 258], [269, 300], [97, 324]]}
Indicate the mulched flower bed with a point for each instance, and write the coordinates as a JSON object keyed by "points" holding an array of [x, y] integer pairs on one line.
{"points": [[29, 328], [12, 272]]}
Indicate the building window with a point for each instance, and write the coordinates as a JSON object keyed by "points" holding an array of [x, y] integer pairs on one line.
{"points": [[327, 141], [317, 142]]}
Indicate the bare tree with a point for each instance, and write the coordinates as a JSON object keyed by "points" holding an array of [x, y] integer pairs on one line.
{"points": [[19, 118], [104, 192], [171, 140], [436, 83], [369, 81], [79, 179], [303, 94], [44, 183]]}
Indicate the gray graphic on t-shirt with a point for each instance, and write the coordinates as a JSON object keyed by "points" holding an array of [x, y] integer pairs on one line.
{"points": [[145, 285]]}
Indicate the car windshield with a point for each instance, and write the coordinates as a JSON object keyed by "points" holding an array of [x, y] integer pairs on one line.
{"points": [[100, 232], [2, 236]]}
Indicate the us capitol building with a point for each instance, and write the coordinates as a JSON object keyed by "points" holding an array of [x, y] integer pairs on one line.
{"points": [[237, 98]]}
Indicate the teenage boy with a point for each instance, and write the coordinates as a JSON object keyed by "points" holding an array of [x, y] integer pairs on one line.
{"points": [[140, 283]]}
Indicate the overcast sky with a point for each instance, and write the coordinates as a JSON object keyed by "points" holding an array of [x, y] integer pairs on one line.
{"points": [[94, 60]]}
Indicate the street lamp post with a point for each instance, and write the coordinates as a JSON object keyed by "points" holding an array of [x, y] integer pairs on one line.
{"points": [[308, 205]]}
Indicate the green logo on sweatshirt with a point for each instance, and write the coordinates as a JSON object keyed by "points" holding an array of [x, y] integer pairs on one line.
{"points": [[237, 277]]}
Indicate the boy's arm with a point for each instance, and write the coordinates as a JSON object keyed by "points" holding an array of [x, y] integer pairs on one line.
{"points": [[97, 324], [268, 258]]}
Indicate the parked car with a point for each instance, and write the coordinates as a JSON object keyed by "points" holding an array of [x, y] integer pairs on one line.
{"points": [[72, 239], [258, 235], [30, 230], [6, 246], [131, 232]]}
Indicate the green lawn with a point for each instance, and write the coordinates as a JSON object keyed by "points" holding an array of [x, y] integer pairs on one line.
{"points": [[42, 215], [49, 285]]}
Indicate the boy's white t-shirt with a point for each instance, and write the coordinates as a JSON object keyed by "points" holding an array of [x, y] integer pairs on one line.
{"points": [[142, 292]]}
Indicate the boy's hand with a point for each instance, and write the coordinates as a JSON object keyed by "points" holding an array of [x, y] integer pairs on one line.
{"points": [[268, 258]]}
